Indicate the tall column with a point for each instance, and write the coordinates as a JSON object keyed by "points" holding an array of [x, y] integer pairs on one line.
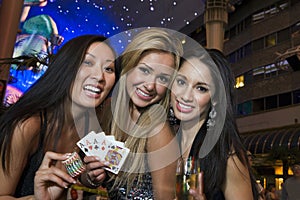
{"points": [[10, 13], [215, 19]]}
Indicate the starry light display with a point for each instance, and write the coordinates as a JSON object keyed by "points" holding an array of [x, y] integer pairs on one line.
{"points": [[109, 17]]}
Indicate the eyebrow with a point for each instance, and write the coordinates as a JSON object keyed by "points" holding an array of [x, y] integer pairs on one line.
{"points": [[153, 69], [107, 60], [198, 83], [147, 66]]}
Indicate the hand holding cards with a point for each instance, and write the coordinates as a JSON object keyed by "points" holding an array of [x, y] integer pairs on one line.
{"points": [[106, 148]]}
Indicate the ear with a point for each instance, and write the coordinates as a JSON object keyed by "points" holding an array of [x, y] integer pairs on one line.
{"points": [[213, 103]]}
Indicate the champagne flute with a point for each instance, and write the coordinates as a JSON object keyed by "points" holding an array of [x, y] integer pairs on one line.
{"points": [[186, 177]]}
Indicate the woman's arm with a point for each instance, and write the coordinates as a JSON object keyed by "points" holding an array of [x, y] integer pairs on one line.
{"points": [[237, 183], [162, 155], [24, 143]]}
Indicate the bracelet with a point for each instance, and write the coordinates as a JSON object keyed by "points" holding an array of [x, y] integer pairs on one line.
{"points": [[88, 179]]}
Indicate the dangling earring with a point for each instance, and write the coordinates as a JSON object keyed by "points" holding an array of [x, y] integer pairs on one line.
{"points": [[211, 122], [101, 106], [172, 118]]}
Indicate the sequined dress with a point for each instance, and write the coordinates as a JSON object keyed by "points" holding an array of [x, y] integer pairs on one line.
{"points": [[143, 191]]}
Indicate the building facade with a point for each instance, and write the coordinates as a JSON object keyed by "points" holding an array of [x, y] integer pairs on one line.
{"points": [[262, 42]]}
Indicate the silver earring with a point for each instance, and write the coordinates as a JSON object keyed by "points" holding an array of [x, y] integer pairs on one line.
{"points": [[211, 122], [172, 118]]}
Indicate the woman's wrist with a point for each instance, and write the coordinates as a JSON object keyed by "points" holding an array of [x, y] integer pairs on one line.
{"points": [[85, 180]]}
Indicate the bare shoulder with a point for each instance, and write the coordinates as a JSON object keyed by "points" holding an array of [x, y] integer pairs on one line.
{"points": [[237, 182], [26, 133], [234, 163], [30, 126], [163, 144], [161, 135]]}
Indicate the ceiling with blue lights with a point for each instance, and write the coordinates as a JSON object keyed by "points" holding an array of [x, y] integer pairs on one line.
{"points": [[109, 17]]}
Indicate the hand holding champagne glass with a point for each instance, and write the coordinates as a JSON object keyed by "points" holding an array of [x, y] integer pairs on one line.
{"points": [[186, 177]]}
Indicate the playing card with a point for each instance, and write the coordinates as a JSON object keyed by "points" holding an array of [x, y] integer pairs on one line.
{"points": [[115, 156], [106, 148], [100, 144], [86, 143], [111, 137]]}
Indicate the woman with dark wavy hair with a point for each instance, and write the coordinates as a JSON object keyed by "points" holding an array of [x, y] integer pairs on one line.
{"points": [[202, 99], [47, 121]]}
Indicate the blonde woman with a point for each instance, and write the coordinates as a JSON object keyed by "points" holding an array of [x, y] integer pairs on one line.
{"points": [[140, 104]]}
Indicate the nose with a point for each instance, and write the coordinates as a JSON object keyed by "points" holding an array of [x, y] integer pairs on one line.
{"points": [[187, 95], [98, 74], [149, 83], [149, 86]]}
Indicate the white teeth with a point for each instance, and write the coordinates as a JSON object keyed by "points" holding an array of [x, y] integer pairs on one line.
{"points": [[184, 106], [142, 93], [92, 89]]}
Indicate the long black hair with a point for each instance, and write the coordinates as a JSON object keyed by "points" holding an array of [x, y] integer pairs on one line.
{"points": [[48, 93], [229, 141]]}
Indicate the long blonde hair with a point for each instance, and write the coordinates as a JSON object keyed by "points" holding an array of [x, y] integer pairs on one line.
{"points": [[153, 39]]}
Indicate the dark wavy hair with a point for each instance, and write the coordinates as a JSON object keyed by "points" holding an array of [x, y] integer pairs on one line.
{"points": [[215, 162], [48, 93]]}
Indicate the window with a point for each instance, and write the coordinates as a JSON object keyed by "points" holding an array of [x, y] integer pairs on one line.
{"points": [[232, 58], [248, 50], [248, 21], [245, 108], [258, 16], [296, 97], [270, 40], [283, 35], [258, 73], [248, 77], [239, 81], [282, 67], [270, 70], [296, 27], [258, 105], [258, 44], [285, 99], [271, 102]]}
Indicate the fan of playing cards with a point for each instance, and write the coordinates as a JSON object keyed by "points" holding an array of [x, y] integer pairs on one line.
{"points": [[106, 148]]}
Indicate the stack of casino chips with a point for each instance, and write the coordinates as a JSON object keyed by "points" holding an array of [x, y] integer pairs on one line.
{"points": [[74, 165]]}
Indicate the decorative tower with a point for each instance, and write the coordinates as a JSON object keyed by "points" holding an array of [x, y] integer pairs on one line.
{"points": [[215, 19]]}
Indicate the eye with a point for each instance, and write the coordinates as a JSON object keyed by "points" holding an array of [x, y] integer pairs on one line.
{"points": [[87, 62], [163, 79], [110, 69], [144, 70], [180, 82], [202, 88]]}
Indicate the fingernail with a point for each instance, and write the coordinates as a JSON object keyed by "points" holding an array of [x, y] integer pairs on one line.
{"points": [[106, 163], [98, 158], [67, 155], [66, 185]]}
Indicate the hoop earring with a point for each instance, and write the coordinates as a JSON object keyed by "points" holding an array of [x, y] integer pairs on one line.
{"points": [[211, 122]]}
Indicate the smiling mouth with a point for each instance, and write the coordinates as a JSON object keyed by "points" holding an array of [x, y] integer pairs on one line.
{"points": [[184, 106], [92, 89], [142, 93]]}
